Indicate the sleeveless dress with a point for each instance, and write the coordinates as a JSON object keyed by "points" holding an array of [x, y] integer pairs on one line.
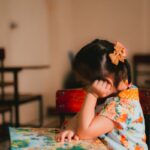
{"points": [[126, 112]]}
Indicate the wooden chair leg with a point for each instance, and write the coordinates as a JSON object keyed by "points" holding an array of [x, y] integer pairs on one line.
{"points": [[40, 111], [3, 117], [62, 119], [11, 116], [147, 127]]}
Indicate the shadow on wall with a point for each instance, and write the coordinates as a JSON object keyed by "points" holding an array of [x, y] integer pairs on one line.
{"points": [[70, 81]]}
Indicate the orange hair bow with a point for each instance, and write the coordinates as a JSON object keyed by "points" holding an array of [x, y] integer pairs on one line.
{"points": [[119, 54]]}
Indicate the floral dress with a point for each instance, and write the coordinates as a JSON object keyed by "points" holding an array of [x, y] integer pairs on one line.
{"points": [[129, 131]]}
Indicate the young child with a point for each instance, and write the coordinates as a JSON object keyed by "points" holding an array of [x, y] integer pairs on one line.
{"points": [[102, 66]]}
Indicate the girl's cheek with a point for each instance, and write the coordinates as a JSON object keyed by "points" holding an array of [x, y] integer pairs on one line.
{"points": [[122, 86], [113, 89]]}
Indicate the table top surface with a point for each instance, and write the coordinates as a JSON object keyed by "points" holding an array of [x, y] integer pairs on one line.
{"points": [[44, 139], [26, 67]]}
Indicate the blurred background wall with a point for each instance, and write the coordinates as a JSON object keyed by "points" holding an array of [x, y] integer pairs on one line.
{"points": [[47, 30]]}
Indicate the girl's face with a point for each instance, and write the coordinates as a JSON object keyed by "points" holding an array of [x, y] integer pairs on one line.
{"points": [[110, 79], [121, 86]]}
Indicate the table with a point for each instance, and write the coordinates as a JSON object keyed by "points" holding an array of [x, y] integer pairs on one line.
{"points": [[15, 70], [44, 139]]}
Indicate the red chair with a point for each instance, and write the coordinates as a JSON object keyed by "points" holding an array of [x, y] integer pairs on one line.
{"points": [[69, 102], [145, 103]]}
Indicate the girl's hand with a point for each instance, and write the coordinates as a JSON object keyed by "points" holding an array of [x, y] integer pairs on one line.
{"points": [[101, 88], [66, 135]]}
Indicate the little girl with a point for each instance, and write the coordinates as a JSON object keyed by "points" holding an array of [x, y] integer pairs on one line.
{"points": [[102, 66]]}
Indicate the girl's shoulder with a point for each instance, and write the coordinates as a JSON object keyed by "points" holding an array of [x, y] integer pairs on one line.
{"points": [[126, 103], [131, 93], [126, 96]]}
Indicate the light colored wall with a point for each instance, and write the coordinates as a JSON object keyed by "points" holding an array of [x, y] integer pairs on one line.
{"points": [[73, 23], [146, 25], [60, 42], [30, 46], [49, 29], [4, 20], [114, 20], [26, 45]]}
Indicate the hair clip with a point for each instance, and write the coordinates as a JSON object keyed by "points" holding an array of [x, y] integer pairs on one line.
{"points": [[119, 54]]}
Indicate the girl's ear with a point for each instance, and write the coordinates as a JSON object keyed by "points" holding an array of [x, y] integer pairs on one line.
{"points": [[123, 85]]}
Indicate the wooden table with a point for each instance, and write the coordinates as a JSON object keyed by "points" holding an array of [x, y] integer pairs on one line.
{"points": [[44, 139], [15, 70]]}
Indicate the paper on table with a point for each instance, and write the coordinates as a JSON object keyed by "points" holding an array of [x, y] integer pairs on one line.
{"points": [[44, 139]]}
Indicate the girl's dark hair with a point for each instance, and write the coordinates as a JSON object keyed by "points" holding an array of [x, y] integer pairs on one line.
{"points": [[92, 62]]}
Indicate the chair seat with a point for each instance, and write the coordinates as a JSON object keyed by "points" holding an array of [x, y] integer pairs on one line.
{"points": [[4, 109], [6, 83], [23, 98]]}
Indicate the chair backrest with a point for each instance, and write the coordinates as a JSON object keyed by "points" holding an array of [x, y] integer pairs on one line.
{"points": [[2, 54], [145, 103], [141, 73], [2, 58], [69, 100], [141, 58], [145, 100]]}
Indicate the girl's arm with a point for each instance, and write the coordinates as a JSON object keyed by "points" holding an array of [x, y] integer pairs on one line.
{"points": [[87, 113], [90, 125], [72, 124], [69, 132]]}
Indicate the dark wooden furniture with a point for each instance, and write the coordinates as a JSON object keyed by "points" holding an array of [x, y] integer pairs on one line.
{"points": [[15, 99], [4, 108], [141, 74], [5, 123], [145, 103], [141, 69]]}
